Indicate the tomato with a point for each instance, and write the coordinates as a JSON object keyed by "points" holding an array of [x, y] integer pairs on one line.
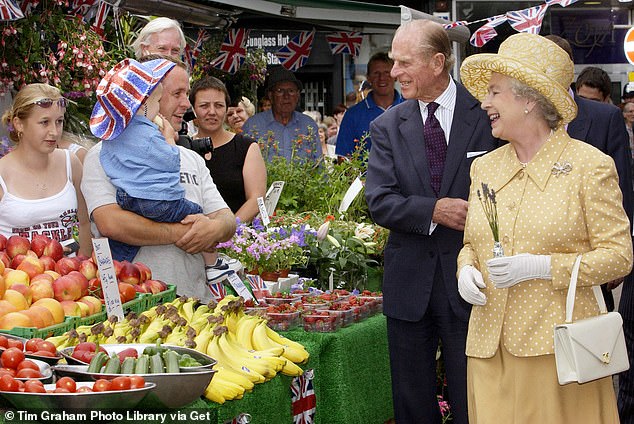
{"points": [[15, 343], [9, 384], [137, 382], [27, 364], [28, 373], [67, 383], [43, 353], [84, 389], [100, 385], [4, 342], [60, 390], [12, 357], [129, 352], [7, 371], [34, 386], [46, 346], [20, 385], [120, 383], [31, 345]]}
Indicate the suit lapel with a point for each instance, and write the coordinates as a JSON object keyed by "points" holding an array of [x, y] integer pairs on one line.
{"points": [[465, 116], [411, 129]]}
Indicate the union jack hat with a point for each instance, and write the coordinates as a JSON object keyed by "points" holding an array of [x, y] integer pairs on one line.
{"points": [[121, 93]]}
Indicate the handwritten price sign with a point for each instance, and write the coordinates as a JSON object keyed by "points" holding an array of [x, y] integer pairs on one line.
{"points": [[109, 284]]}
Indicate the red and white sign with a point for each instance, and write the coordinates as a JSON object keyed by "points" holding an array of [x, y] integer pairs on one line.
{"points": [[628, 46]]}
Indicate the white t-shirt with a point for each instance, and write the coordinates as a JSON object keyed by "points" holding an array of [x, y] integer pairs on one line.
{"points": [[167, 262]]}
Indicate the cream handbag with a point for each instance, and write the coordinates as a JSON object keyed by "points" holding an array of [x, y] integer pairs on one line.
{"points": [[590, 348]]}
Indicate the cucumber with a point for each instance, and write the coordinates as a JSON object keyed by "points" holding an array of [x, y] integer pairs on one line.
{"points": [[171, 361], [142, 365], [128, 365], [156, 364], [113, 366], [97, 362]]}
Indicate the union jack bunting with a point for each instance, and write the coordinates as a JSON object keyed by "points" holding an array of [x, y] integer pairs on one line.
{"points": [[232, 51], [562, 3], [100, 20], [345, 42], [81, 8], [192, 53], [27, 6], [295, 54], [218, 290], [487, 32], [527, 20], [303, 401], [9, 11], [455, 24]]}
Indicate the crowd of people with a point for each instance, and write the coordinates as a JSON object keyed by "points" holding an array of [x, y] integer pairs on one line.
{"points": [[515, 128]]}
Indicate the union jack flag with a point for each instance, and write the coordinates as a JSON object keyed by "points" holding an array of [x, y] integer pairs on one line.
{"points": [[9, 11], [487, 32], [218, 290], [345, 42], [100, 20], [303, 401], [562, 3], [527, 20], [295, 54], [255, 281], [192, 53], [232, 51], [455, 24], [81, 8], [27, 6]]}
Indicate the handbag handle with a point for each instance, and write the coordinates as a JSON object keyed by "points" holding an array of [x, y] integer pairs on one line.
{"points": [[572, 289]]}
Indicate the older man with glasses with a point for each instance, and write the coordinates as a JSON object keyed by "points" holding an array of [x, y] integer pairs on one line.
{"points": [[283, 128]]}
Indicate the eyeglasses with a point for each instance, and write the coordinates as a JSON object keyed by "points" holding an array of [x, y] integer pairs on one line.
{"points": [[282, 91], [46, 103]]}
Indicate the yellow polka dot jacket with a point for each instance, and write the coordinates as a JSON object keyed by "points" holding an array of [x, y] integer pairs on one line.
{"points": [[566, 201]]}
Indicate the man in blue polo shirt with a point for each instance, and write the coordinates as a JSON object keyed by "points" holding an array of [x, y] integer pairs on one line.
{"points": [[282, 128], [356, 121]]}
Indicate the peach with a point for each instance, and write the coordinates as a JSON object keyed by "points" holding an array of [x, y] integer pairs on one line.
{"points": [[54, 307], [48, 262], [54, 249], [129, 273], [84, 308], [42, 276], [88, 269], [41, 289], [16, 276], [26, 292], [146, 272], [5, 259], [3, 242], [3, 287], [38, 243], [16, 299], [2, 267], [6, 307], [15, 319], [66, 265], [17, 260], [71, 308], [53, 274], [37, 320], [67, 288], [32, 266], [17, 245], [155, 286], [43, 313], [93, 303], [81, 280]]}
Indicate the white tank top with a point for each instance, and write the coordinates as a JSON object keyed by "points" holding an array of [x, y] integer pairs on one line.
{"points": [[53, 216]]}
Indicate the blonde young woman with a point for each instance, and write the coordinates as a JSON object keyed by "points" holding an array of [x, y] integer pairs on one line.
{"points": [[39, 183], [556, 198]]}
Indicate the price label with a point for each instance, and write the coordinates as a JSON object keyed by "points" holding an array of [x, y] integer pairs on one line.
{"points": [[263, 213], [109, 284], [239, 286], [331, 280], [273, 196], [353, 191]]}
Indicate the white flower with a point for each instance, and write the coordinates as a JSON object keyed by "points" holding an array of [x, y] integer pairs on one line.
{"points": [[323, 230], [363, 231]]}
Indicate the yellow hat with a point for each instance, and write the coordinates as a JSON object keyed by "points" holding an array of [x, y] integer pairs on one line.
{"points": [[531, 59]]}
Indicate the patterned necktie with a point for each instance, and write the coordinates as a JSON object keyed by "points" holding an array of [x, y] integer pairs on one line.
{"points": [[435, 146]]}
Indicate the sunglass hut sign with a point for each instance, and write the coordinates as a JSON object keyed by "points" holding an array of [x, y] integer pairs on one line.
{"points": [[270, 42]]}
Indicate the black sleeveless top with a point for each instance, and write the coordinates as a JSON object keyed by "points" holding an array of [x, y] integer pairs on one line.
{"points": [[225, 166]]}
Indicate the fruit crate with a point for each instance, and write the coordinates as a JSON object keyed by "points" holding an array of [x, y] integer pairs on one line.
{"points": [[283, 321], [150, 300], [52, 330], [136, 305], [92, 319]]}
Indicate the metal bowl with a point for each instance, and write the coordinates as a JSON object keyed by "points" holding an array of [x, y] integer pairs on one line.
{"points": [[52, 360], [111, 400], [45, 370]]}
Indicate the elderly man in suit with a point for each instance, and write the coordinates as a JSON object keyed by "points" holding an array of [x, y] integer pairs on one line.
{"points": [[417, 186]]}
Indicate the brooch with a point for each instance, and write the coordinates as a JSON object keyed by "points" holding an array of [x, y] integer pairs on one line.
{"points": [[561, 168]]}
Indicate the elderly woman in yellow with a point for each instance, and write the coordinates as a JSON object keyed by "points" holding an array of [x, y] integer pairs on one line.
{"points": [[556, 198]]}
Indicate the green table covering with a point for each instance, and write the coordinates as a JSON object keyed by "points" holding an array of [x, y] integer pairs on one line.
{"points": [[351, 382]]}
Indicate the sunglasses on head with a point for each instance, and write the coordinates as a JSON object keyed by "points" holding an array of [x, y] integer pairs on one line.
{"points": [[46, 103]]}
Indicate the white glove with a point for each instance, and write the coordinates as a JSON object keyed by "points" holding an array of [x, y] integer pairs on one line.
{"points": [[507, 271], [469, 280]]}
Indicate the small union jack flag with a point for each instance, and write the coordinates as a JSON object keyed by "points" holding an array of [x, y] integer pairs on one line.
{"points": [[455, 24], [527, 20], [9, 11], [81, 7], [487, 32], [295, 54], [218, 290], [345, 42], [562, 3], [192, 53], [303, 401], [100, 20], [233, 51], [27, 6]]}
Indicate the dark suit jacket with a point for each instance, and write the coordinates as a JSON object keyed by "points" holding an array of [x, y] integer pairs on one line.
{"points": [[602, 125], [400, 198]]}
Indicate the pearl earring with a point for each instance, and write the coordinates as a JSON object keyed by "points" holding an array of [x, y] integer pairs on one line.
{"points": [[526, 111]]}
